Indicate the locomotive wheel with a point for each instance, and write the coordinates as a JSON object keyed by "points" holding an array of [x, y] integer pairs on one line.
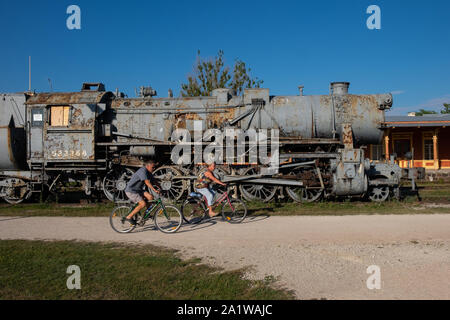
{"points": [[17, 192], [172, 188], [302, 194], [378, 194], [256, 192], [115, 182]]}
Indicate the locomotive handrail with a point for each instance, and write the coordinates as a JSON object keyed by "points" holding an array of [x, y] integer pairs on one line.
{"points": [[118, 144], [310, 155], [29, 140], [133, 137], [296, 165], [207, 109]]}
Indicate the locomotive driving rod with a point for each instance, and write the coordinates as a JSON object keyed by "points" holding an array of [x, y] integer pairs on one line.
{"points": [[256, 179]]}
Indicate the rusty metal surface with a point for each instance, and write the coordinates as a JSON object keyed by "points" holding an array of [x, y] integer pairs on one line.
{"points": [[62, 98], [300, 117], [72, 141], [347, 135], [125, 131], [76, 141], [158, 118], [20, 174], [12, 131]]}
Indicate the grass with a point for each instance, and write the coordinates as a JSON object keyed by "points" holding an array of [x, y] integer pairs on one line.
{"points": [[343, 208], [56, 209], [37, 270], [430, 192]]}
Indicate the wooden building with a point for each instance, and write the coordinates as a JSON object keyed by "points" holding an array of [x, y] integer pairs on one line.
{"points": [[428, 137]]}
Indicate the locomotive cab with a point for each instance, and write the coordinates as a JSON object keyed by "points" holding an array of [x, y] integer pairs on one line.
{"points": [[62, 126]]}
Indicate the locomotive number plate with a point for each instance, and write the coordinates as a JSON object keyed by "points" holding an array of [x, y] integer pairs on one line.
{"points": [[68, 154]]}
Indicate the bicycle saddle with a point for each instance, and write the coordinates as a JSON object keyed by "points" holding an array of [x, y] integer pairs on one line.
{"points": [[195, 195]]}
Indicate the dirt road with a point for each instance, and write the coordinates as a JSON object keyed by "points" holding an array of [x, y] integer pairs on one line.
{"points": [[317, 257]]}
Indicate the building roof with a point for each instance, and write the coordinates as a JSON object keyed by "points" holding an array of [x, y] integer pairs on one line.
{"points": [[429, 120]]}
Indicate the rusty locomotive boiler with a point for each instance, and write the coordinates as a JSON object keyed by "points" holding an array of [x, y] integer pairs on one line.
{"points": [[97, 139]]}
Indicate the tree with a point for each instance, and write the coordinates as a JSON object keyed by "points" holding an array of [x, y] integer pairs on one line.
{"points": [[446, 109], [212, 73], [421, 112]]}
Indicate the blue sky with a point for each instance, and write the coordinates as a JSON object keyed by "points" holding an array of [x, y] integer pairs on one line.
{"points": [[126, 44]]}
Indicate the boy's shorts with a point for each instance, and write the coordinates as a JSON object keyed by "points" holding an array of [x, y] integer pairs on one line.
{"points": [[135, 197], [138, 197]]}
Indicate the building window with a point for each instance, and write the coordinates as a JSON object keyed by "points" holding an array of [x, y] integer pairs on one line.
{"points": [[376, 152], [401, 147], [428, 149], [428, 146], [59, 116]]}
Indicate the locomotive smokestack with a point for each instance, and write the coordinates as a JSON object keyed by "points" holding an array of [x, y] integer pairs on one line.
{"points": [[339, 88]]}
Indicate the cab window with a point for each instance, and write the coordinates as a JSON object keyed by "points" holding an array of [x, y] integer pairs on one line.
{"points": [[59, 116]]}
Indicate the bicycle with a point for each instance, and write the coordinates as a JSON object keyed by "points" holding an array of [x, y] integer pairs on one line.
{"points": [[194, 209], [167, 218]]}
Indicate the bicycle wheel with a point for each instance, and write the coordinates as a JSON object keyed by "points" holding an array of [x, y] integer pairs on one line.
{"points": [[168, 219], [116, 219], [193, 211], [236, 213]]}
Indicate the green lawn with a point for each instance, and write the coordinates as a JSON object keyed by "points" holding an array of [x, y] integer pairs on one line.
{"points": [[436, 193], [345, 208], [37, 270], [57, 209]]}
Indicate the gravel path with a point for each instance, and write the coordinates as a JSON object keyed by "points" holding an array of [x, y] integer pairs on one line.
{"points": [[317, 257]]}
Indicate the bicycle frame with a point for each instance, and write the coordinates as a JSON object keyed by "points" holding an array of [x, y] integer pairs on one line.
{"points": [[155, 204], [199, 208], [222, 198]]}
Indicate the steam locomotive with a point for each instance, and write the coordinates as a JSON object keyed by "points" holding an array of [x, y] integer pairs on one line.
{"points": [[95, 139]]}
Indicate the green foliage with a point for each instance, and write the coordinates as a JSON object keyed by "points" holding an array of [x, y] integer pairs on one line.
{"points": [[421, 112], [241, 78], [446, 109], [212, 73]]}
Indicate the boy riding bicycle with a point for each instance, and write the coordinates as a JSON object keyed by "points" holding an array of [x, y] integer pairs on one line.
{"points": [[135, 189]]}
